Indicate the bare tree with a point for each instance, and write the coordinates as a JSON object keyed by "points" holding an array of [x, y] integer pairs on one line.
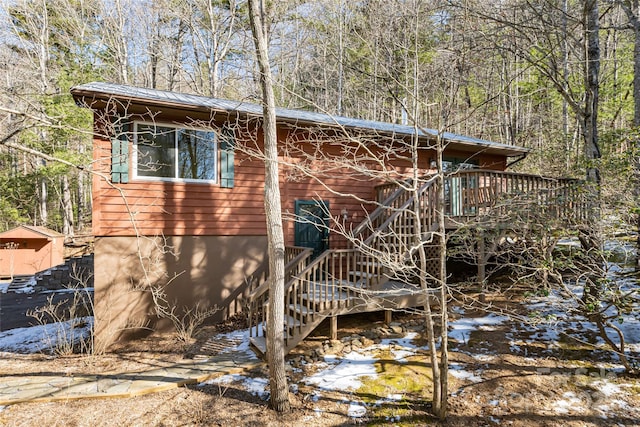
{"points": [[273, 211], [631, 9]]}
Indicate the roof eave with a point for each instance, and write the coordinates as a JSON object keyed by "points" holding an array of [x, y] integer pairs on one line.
{"points": [[97, 99], [503, 149]]}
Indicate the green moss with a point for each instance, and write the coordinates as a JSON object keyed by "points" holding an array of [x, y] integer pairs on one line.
{"points": [[572, 348], [410, 380], [583, 364]]}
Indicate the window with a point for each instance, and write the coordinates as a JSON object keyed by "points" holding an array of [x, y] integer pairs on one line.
{"points": [[166, 152], [453, 164]]}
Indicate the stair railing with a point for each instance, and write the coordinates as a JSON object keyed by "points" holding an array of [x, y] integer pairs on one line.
{"points": [[296, 258], [395, 238], [327, 285], [391, 197]]}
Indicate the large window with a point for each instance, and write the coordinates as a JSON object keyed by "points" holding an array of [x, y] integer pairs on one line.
{"points": [[167, 152]]}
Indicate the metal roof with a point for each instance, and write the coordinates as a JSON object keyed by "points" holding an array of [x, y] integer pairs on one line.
{"points": [[161, 97]]}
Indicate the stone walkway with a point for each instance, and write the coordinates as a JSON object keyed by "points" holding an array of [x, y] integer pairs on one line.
{"points": [[46, 388]]}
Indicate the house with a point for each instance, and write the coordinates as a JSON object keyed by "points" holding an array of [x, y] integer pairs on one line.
{"points": [[178, 202], [26, 250]]}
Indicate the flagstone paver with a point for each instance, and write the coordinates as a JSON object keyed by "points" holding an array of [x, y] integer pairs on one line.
{"points": [[38, 388]]}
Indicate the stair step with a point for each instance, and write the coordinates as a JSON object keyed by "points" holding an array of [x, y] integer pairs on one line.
{"points": [[339, 285], [289, 322], [322, 296], [336, 283], [374, 264], [362, 274], [259, 344], [301, 309], [20, 282]]}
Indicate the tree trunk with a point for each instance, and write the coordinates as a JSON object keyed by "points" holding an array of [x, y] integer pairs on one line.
{"points": [[80, 203], [44, 216], [633, 14], [81, 198], [591, 237], [273, 210], [67, 209], [424, 286], [591, 147], [442, 283], [565, 84], [431, 338]]}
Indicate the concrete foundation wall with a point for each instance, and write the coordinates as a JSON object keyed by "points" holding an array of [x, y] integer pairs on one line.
{"points": [[194, 269]]}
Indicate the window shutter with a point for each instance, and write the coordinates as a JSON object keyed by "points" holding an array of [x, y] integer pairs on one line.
{"points": [[227, 156], [120, 156]]}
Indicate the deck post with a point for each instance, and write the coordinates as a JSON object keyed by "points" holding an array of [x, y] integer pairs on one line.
{"points": [[482, 263], [387, 317], [333, 328]]}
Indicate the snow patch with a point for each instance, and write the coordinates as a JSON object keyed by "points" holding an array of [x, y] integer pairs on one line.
{"points": [[256, 386], [44, 337], [348, 372], [460, 330], [458, 371], [484, 357], [401, 348], [344, 374], [356, 410], [67, 291], [607, 388], [570, 402]]}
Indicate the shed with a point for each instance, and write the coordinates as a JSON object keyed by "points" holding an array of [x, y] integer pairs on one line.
{"points": [[27, 250]]}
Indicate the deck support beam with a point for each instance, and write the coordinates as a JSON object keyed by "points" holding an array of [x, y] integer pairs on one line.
{"points": [[387, 316], [481, 259], [333, 328]]}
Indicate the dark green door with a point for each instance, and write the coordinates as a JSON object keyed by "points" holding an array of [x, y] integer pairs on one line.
{"points": [[312, 225]]}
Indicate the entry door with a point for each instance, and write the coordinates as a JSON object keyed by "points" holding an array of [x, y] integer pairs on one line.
{"points": [[455, 186], [455, 183], [312, 225]]}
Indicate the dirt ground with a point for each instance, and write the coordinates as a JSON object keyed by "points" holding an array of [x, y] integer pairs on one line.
{"points": [[516, 390]]}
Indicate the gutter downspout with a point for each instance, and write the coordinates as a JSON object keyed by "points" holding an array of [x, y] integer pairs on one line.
{"points": [[519, 159]]}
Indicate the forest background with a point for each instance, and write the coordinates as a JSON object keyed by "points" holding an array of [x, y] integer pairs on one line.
{"points": [[513, 72]]}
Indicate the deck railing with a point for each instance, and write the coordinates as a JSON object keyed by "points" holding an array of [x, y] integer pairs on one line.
{"points": [[500, 195], [334, 282], [296, 260]]}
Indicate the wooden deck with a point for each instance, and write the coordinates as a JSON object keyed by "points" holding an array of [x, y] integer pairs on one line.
{"points": [[379, 271], [494, 196], [302, 319]]}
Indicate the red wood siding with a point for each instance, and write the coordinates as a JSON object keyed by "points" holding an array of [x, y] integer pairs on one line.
{"points": [[176, 208]]}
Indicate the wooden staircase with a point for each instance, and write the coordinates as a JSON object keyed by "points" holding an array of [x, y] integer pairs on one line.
{"points": [[373, 275], [380, 270]]}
